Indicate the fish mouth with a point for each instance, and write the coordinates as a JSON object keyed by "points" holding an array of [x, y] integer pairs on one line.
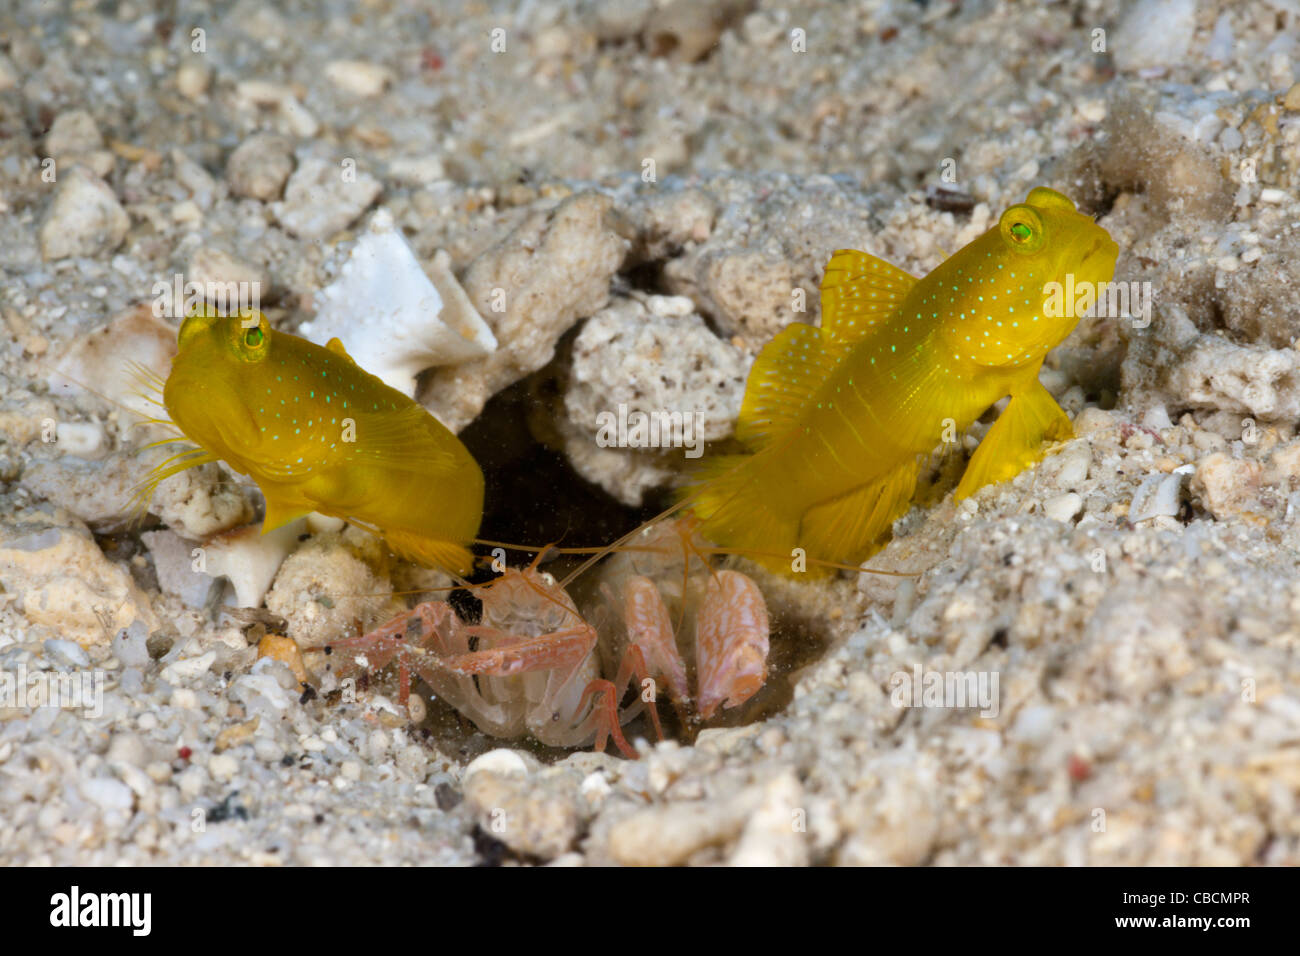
{"points": [[199, 411], [1090, 254], [1098, 263], [1103, 244]]}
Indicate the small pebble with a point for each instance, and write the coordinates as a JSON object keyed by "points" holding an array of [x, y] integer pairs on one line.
{"points": [[107, 794], [259, 166], [268, 750], [358, 77], [85, 218], [1064, 507], [67, 652], [184, 699], [81, 439], [223, 767], [128, 748], [192, 78]]}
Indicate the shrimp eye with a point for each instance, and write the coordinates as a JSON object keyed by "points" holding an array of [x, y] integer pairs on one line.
{"points": [[253, 337]]}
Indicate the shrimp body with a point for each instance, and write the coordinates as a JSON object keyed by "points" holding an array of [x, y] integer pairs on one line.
{"points": [[661, 592], [529, 668], [839, 418], [319, 433], [536, 666]]}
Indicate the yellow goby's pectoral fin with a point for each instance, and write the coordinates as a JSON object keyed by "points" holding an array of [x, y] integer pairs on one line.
{"points": [[1016, 439], [281, 508]]}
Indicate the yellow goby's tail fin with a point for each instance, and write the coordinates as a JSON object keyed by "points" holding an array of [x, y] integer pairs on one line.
{"points": [[735, 511]]}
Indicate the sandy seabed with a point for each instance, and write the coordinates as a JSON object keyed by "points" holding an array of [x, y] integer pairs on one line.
{"points": [[655, 183]]}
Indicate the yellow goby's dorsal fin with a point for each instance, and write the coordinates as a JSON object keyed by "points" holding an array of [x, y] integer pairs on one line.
{"points": [[335, 346], [859, 292], [783, 380]]}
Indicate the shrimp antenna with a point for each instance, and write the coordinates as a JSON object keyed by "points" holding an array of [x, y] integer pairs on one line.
{"points": [[623, 543], [688, 500]]}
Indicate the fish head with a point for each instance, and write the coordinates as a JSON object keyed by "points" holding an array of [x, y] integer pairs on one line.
{"points": [[220, 362], [1039, 248], [1048, 227]]}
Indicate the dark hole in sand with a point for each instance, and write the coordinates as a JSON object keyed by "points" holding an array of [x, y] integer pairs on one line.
{"points": [[534, 497]]}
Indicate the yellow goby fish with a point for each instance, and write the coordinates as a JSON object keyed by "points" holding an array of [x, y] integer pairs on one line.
{"points": [[839, 419], [319, 433]]}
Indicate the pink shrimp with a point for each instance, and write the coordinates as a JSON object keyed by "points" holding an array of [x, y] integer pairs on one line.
{"points": [[533, 666]]}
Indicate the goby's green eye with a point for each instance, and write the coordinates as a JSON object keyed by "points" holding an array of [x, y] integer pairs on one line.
{"points": [[1022, 229], [253, 337]]}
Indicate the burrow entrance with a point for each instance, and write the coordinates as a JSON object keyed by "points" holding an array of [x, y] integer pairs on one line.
{"points": [[534, 496]]}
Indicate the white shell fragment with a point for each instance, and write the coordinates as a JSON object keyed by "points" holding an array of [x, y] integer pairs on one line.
{"points": [[393, 320], [245, 557], [249, 559], [101, 360], [1159, 495], [502, 761]]}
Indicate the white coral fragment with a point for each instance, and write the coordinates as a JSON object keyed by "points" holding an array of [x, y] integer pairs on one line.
{"points": [[249, 559], [393, 318]]}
